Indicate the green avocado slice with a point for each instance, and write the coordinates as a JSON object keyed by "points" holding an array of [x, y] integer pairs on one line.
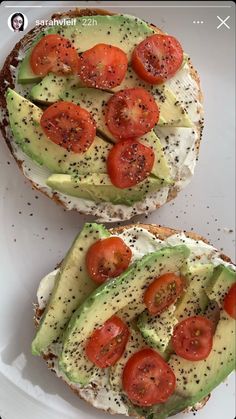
{"points": [[172, 113], [25, 124], [122, 31], [25, 72], [98, 188], [94, 100], [193, 383], [134, 344], [106, 301], [195, 380], [161, 168], [25, 118], [221, 281], [72, 287], [194, 301], [157, 330], [53, 88]]}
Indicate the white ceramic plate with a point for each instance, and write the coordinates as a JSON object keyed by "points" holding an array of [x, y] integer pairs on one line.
{"points": [[35, 232]]}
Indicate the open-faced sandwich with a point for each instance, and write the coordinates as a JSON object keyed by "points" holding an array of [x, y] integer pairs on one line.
{"points": [[102, 112], [139, 320]]}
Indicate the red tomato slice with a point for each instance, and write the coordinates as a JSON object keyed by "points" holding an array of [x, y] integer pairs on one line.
{"points": [[148, 379], [103, 66], [163, 292], [131, 113], [107, 258], [129, 162], [56, 54], [69, 126], [193, 338], [107, 343], [157, 58], [230, 302]]}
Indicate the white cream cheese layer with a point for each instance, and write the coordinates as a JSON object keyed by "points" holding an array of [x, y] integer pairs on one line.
{"points": [[141, 242], [179, 148], [45, 288]]}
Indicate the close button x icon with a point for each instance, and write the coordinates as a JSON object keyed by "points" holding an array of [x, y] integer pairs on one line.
{"points": [[223, 22]]}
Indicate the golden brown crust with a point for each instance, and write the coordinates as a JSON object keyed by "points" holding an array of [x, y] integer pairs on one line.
{"points": [[162, 233], [6, 80]]}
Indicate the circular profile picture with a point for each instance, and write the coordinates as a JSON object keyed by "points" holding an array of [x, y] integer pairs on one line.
{"points": [[17, 22]]}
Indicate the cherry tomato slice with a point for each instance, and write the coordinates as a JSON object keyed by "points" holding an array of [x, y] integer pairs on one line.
{"points": [[148, 379], [69, 126], [103, 66], [193, 338], [107, 343], [131, 113], [157, 58], [107, 258], [163, 292], [129, 162], [55, 54], [230, 302]]}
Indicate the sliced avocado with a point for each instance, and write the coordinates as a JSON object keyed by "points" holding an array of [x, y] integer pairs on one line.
{"points": [[157, 330], [195, 380], [25, 118], [127, 314], [50, 90], [71, 288], [94, 100], [25, 73], [122, 31], [52, 87], [98, 188], [107, 300], [134, 344], [133, 80], [160, 169], [172, 112], [221, 281], [194, 301], [175, 404]]}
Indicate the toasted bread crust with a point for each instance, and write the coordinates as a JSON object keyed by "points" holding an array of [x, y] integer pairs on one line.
{"points": [[6, 80], [162, 233]]}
